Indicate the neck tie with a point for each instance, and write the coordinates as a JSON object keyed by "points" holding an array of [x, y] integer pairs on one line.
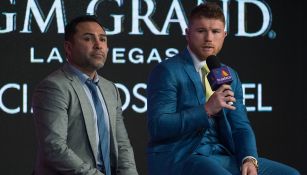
{"points": [[102, 128], [208, 91]]}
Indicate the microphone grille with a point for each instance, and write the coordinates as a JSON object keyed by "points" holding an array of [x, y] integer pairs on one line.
{"points": [[213, 62]]}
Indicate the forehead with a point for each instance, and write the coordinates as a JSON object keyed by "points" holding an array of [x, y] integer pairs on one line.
{"points": [[89, 27], [206, 22]]}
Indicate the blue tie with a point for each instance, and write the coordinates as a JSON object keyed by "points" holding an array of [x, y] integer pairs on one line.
{"points": [[102, 128]]}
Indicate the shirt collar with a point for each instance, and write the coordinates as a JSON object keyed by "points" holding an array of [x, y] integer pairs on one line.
{"points": [[197, 64], [82, 76]]}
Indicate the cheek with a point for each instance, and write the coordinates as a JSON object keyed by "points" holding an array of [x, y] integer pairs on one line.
{"points": [[76, 52], [105, 47], [219, 46], [83, 50], [195, 40], [195, 37]]}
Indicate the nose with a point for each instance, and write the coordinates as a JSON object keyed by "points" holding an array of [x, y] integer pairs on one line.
{"points": [[97, 43], [208, 36]]}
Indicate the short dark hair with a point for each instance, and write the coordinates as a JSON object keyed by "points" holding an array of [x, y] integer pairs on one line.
{"points": [[70, 28], [208, 10]]}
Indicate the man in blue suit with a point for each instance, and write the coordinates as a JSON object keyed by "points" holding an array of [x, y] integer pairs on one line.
{"points": [[194, 131]]}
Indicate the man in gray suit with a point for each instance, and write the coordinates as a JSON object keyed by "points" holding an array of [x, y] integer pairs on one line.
{"points": [[77, 113]]}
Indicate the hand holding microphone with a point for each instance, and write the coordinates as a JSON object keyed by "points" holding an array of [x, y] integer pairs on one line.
{"points": [[220, 80]]}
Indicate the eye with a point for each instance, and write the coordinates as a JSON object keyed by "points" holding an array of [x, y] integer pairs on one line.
{"points": [[103, 39], [216, 31], [87, 38]]}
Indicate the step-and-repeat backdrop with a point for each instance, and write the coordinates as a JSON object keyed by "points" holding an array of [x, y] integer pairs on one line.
{"points": [[264, 44]]}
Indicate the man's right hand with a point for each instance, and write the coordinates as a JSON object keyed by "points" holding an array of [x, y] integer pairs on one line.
{"points": [[219, 99]]}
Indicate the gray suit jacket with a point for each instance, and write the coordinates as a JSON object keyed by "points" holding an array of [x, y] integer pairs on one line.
{"points": [[65, 127]]}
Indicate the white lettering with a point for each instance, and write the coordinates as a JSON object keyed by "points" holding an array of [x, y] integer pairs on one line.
{"points": [[140, 97], [2, 90], [92, 7], [136, 17], [137, 55], [10, 22], [54, 55], [260, 107], [138, 58], [224, 78], [226, 13], [248, 96], [171, 52], [25, 98], [34, 9], [154, 56], [177, 9], [32, 57], [126, 93], [118, 53], [266, 16]]}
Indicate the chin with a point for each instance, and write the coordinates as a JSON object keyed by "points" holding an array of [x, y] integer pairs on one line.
{"points": [[204, 57], [96, 67], [100, 65]]}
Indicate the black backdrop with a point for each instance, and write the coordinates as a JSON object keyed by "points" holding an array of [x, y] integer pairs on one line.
{"points": [[270, 66]]}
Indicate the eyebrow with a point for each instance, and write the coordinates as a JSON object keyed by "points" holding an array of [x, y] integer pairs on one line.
{"points": [[204, 28], [104, 35]]}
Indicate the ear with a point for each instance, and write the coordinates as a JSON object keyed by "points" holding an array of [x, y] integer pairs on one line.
{"points": [[187, 33], [67, 48]]}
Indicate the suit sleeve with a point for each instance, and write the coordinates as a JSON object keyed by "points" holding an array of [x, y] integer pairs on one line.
{"points": [[50, 105], [126, 162], [243, 135], [166, 120]]}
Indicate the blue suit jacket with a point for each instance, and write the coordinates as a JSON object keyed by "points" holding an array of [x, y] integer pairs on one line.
{"points": [[177, 119]]}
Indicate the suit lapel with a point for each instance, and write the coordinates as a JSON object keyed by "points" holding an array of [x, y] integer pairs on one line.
{"points": [[86, 109], [107, 96], [194, 76]]}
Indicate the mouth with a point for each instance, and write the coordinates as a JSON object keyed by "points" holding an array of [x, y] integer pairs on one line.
{"points": [[98, 54], [207, 48]]}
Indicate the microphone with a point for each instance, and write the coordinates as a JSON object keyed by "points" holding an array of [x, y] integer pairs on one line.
{"points": [[219, 74]]}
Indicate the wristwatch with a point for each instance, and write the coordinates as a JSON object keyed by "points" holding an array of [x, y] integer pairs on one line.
{"points": [[252, 160]]}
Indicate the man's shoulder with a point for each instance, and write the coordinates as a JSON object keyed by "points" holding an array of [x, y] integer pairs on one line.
{"points": [[178, 60], [106, 82], [107, 85], [170, 69], [58, 78], [57, 75]]}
